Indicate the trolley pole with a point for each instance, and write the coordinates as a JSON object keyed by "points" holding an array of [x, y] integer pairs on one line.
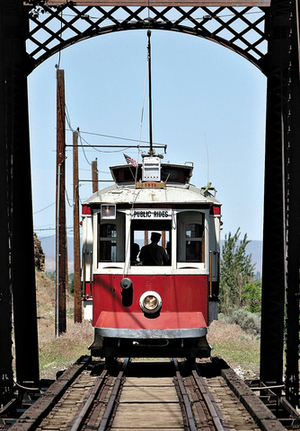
{"points": [[77, 282], [95, 176], [61, 237], [150, 93]]}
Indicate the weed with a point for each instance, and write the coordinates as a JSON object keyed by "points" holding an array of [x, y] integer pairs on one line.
{"points": [[235, 346], [249, 322]]}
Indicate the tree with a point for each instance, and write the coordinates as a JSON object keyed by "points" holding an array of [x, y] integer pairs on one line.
{"points": [[71, 283], [236, 270], [251, 297]]}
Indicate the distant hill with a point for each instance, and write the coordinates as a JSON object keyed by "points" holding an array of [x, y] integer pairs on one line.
{"points": [[48, 245], [50, 264]]}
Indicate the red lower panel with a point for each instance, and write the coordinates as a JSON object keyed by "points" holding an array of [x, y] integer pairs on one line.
{"points": [[179, 293], [139, 321]]}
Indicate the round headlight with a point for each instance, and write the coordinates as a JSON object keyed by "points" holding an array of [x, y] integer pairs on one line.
{"points": [[150, 302]]}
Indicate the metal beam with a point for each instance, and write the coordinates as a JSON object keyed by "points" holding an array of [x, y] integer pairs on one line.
{"points": [[282, 205], [18, 213], [158, 3], [292, 180], [6, 373], [273, 279]]}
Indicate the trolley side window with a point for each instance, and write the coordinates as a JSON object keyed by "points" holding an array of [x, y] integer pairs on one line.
{"points": [[191, 237], [111, 239]]}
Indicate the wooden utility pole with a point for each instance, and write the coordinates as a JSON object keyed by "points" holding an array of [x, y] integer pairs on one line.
{"points": [[61, 237], [77, 282], [95, 176]]}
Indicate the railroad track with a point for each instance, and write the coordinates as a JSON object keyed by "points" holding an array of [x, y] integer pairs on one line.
{"points": [[156, 395]]}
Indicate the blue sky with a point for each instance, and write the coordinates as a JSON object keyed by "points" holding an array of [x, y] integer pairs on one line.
{"points": [[208, 107]]}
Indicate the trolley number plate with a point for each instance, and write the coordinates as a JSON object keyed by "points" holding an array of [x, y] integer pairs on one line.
{"points": [[158, 214]]}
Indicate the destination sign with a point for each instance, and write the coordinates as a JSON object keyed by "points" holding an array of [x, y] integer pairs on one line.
{"points": [[157, 214], [150, 185], [172, 3]]}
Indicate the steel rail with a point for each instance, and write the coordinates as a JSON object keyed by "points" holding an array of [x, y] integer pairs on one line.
{"points": [[217, 417], [111, 403], [186, 401], [90, 398]]}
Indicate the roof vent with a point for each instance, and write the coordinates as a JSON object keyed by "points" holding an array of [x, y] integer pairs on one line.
{"points": [[151, 169]]}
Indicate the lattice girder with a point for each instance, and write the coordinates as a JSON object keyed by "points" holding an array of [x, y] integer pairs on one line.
{"points": [[54, 28]]}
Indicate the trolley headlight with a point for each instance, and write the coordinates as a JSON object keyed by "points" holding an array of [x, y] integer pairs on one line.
{"points": [[150, 302]]}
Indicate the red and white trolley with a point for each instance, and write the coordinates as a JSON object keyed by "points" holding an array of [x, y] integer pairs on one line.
{"points": [[151, 311]]}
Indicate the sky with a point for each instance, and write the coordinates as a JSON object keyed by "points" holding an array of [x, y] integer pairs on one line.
{"points": [[208, 108]]}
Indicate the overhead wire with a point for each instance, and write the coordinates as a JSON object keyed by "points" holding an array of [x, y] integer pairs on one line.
{"points": [[83, 150], [71, 128], [119, 137], [119, 150], [68, 200], [68, 118], [48, 206]]}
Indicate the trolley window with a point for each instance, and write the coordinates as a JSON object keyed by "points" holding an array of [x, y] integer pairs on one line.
{"points": [[191, 237], [141, 232], [111, 239]]}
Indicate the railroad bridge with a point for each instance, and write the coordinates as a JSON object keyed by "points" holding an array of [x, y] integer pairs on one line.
{"points": [[33, 30]]}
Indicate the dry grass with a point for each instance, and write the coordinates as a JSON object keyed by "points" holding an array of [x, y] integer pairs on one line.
{"points": [[240, 350], [58, 353]]}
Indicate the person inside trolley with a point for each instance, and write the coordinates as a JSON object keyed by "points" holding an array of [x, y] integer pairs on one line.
{"points": [[134, 253], [153, 254]]}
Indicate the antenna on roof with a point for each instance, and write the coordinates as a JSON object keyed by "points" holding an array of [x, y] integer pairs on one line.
{"points": [[207, 155]]}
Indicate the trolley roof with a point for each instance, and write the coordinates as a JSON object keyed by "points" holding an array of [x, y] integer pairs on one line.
{"points": [[174, 188], [170, 172]]}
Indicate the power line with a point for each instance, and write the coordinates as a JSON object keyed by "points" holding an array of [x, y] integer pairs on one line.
{"points": [[118, 137], [48, 206], [51, 228], [99, 181]]}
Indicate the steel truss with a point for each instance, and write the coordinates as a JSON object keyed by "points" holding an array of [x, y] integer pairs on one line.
{"points": [[266, 36], [52, 29]]}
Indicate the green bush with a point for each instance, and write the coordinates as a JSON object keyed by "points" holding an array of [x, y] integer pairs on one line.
{"points": [[249, 322]]}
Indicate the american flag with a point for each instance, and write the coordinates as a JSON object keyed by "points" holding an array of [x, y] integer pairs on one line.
{"points": [[130, 161]]}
